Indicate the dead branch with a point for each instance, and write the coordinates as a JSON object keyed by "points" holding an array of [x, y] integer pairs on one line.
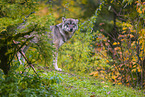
{"points": [[29, 63]]}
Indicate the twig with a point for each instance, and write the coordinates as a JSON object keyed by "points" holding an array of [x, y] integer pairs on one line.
{"points": [[29, 63]]}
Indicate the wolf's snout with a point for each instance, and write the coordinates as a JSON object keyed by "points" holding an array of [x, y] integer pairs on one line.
{"points": [[71, 30]]}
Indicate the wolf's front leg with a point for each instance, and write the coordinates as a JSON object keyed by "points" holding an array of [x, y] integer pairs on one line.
{"points": [[55, 62]]}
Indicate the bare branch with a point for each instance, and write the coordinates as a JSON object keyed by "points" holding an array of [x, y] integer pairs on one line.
{"points": [[29, 63]]}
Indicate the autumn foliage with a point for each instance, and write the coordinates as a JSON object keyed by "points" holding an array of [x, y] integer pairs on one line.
{"points": [[126, 46], [109, 44]]}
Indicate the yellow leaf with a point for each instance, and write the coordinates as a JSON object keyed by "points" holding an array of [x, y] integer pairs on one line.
{"points": [[131, 30], [122, 40], [127, 84], [102, 71], [119, 83], [94, 73], [115, 43], [124, 28], [123, 32], [133, 70], [113, 77], [117, 48], [121, 36], [139, 70], [131, 35], [139, 10], [107, 61], [106, 86], [119, 78]]}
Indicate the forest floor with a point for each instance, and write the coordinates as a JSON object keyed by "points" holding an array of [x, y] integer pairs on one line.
{"points": [[74, 85]]}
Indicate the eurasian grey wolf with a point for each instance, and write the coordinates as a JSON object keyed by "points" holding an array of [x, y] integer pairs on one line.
{"points": [[60, 34]]}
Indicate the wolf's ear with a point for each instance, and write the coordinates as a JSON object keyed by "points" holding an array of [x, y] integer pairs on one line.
{"points": [[63, 19], [77, 20]]}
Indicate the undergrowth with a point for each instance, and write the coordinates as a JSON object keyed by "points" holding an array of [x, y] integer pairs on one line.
{"points": [[27, 83], [23, 82]]}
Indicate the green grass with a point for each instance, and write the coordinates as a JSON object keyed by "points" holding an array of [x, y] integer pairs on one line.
{"points": [[61, 84], [73, 85]]}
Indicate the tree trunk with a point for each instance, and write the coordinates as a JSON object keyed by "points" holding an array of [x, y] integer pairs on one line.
{"points": [[4, 60]]}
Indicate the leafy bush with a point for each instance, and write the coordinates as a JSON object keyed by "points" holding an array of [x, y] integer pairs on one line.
{"points": [[20, 22], [78, 54], [26, 83], [124, 44], [40, 50]]}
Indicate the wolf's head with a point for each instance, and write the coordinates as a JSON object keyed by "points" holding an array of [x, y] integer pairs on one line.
{"points": [[69, 25]]}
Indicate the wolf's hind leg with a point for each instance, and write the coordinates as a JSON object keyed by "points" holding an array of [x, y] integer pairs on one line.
{"points": [[19, 57]]}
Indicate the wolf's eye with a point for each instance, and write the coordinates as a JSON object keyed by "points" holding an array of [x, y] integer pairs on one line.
{"points": [[67, 24], [74, 25]]}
